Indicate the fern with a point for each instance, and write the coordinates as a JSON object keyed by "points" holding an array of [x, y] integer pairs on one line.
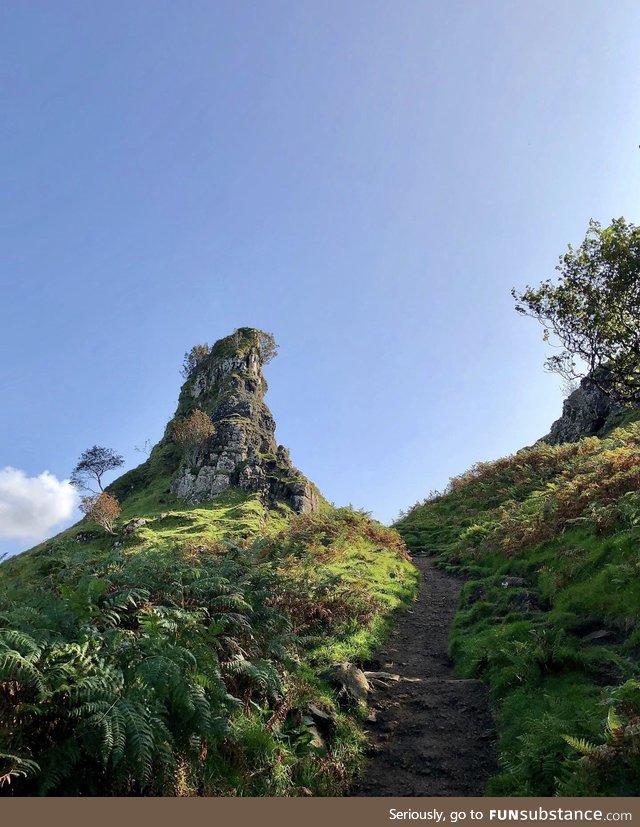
{"points": [[614, 723], [14, 766], [15, 667], [581, 745], [136, 669]]}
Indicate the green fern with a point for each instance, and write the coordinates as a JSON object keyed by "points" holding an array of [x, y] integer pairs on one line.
{"points": [[581, 745], [614, 723], [14, 766], [144, 667]]}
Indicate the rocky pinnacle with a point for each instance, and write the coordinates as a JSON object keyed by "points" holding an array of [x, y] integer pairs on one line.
{"points": [[228, 385]]}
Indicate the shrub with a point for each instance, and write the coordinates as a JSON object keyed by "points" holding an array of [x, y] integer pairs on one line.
{"points": [[613, 766], [190, 433], [134, 673], [192, 359], [103, 509]]}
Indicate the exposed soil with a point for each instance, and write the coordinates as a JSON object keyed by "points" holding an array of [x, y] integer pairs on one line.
{"points": [[433, 733]]}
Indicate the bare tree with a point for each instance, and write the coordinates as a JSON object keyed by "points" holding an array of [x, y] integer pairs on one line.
{"points": [[569, 386], [145, 449]]}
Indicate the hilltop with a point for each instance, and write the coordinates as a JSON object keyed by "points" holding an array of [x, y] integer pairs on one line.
{"points": [[182, 653]]}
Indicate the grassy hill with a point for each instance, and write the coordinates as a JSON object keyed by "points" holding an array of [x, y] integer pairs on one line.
{"points": [[181, 657], [181, 653], [550, 614]]}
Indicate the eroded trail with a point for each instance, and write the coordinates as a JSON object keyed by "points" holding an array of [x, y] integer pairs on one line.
{"points": [[430, 733]]}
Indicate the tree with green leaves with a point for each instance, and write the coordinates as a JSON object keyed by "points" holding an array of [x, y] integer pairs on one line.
{"points": [[267, 346], [192, 359], [593, 312], [93, 464]]}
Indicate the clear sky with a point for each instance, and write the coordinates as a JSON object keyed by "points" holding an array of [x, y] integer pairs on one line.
{"points": [[366, 180]]}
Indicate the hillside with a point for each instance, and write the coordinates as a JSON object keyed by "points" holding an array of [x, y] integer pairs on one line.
{"points": [[182, 654], [547, 540], [188, 649]]}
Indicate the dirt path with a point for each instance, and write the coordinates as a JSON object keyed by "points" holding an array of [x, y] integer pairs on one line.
{"points": [[432, 734]]}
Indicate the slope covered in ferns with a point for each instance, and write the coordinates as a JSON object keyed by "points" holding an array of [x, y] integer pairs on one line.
{"points": [[550, 613], [180, 652], [182, 658]]}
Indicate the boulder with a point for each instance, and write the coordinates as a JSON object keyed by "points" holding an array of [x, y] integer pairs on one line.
{"points": [[133, 525], [383, 679], [586, 412], [599, 636], [513, 582], [326, 722], [349, 679]]}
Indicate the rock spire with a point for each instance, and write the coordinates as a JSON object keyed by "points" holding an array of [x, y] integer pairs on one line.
{"points": [[227, 384]]}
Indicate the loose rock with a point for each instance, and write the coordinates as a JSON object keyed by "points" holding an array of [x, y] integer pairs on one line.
{"points": [[512, 582], [133, 525], [350, 680]]}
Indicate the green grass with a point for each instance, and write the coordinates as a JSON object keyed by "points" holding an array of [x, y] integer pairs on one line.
{"points": [[234, 516], [566, 519], [193, 587], [389, 581]]}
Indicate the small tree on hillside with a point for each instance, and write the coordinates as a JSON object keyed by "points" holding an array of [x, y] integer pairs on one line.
{"points": [[593, 312], [268, 347], [192, 432], [93, 464], [103, 509], [192, 358]]}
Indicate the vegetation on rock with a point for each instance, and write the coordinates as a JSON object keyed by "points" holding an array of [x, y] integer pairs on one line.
{"points": [[224, 391], [594, 310], [192, 359], [190, 433]]}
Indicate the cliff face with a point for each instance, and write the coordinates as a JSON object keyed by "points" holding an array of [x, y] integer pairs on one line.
{"points": [[228, 385], [586, 412]]}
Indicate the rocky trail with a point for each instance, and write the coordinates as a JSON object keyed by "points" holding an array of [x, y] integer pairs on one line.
{"points": [[430, 733]]}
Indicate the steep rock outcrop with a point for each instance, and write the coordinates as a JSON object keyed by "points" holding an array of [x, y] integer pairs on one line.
{"points": [[228, 385], [586, 412]]}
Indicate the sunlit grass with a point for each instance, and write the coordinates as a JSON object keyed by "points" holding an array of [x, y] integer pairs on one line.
{"points": [[566, 519]]}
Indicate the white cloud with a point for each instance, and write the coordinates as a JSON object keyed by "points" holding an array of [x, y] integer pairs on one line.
{"points": [[31, 506]]}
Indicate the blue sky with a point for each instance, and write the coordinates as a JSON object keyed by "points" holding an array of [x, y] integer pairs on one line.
{"points": [[366, 180]]}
